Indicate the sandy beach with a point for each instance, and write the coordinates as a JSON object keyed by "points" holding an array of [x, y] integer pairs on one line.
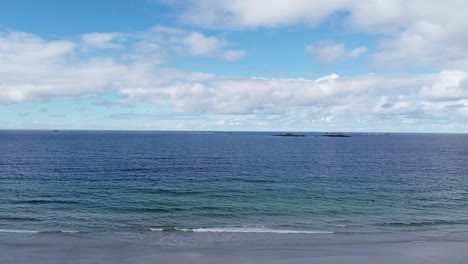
{"points": [[58, 250]]}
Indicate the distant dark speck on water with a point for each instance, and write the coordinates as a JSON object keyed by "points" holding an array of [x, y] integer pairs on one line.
{"points": [[288, 135], [335, 135]]}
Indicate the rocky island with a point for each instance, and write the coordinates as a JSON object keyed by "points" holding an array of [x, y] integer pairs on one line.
{"points": [[289, 135], [335, 135]]}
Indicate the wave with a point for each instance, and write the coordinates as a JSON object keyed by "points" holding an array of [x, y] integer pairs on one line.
{"points": [[240, 230], [61, 231], [19, 231], [151, 210], [18, 218], [423, 223], [37, 231], [44, 201], [171, 229]]}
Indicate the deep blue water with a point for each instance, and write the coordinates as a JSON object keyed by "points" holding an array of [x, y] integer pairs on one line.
{"points": [[136, 184]]}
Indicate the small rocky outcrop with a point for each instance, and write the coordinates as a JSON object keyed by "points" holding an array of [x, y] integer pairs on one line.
{"points": [[288, 135], [335, 135]]}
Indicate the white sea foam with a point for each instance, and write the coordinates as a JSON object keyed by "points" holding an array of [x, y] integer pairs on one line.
{"points": [[169, 229], [242, 230], [36, 231], [258, 230], [19, 231], [70, 231]]}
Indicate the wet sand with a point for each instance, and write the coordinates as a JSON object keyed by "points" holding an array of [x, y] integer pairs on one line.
{"points": [[81, 250]]}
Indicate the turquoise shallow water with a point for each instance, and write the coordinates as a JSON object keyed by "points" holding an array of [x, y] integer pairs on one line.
{"points": [[195, 187]]}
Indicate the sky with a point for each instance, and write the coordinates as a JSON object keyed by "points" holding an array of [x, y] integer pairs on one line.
{"points": [[237, 65]]}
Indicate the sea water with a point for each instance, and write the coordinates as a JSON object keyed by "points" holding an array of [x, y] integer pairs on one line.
{"points": [[191, 188]]}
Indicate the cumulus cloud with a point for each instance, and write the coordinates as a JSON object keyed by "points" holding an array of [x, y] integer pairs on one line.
{"points": [[147, 52], [452, 85], [190, 42], [199, 45], [159, 41], [418, 33], [329, 51], [240, 14], [229, 122], [234, 55], [414, 33], [32, 68], [102, 40], [326, 98], [53, 70], [23, 48], [368, 15]]}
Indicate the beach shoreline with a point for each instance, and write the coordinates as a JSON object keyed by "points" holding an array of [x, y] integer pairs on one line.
{"points": [[51, 249]]}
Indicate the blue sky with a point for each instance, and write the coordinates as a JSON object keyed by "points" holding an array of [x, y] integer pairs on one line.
{"points": [[342, 65]]}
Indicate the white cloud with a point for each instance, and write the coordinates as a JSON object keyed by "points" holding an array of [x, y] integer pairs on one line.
{"points": [[234, 55], [21, 48], [193, 43], [452, 85], [326, 99], [419, 33], [32, 69], [239, 14], [414, 33], [147, 52], [200, 45], [102, 40], [229, 122], [424, 45], [367, 15], [329, 51]]}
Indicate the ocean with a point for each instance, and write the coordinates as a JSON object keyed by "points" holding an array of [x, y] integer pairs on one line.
{"points": [[204, 188]]}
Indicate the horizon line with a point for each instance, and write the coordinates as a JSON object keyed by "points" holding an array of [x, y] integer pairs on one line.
{"points": [[226, 131]]}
